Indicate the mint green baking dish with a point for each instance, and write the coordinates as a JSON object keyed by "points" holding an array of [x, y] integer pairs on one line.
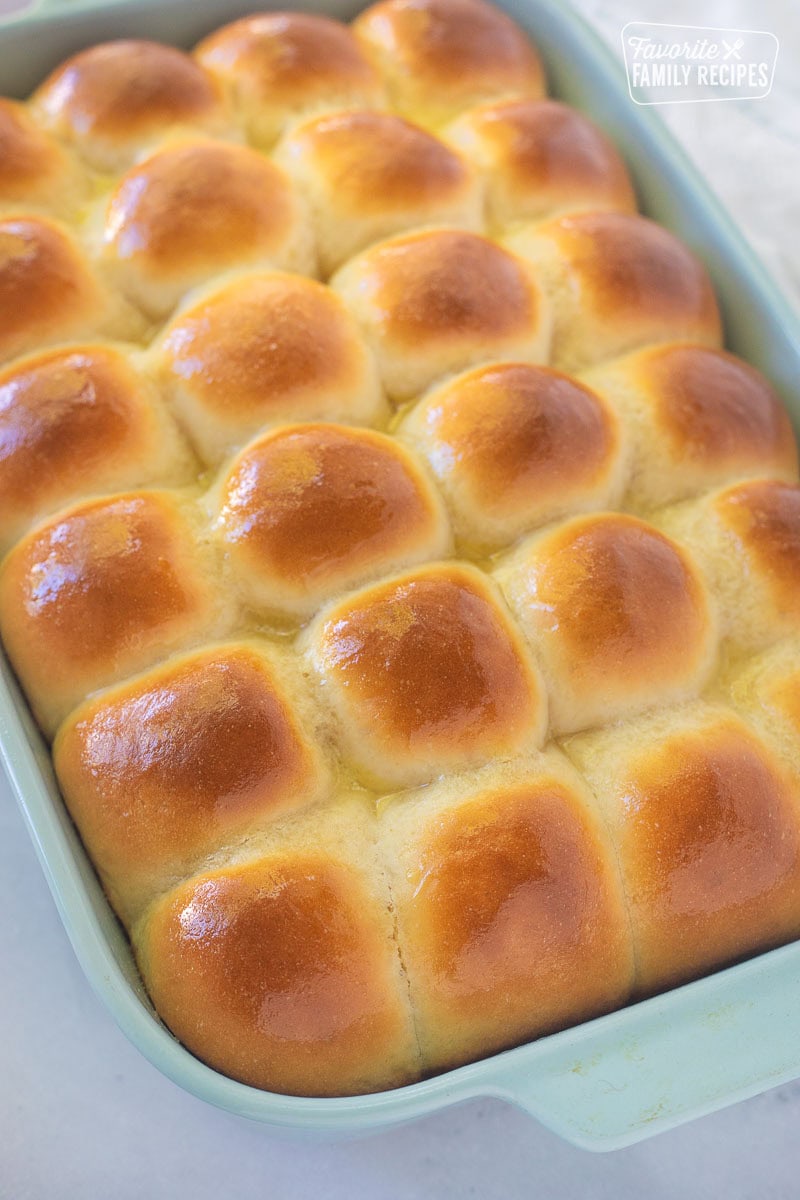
{"points": [[601, 1085]]}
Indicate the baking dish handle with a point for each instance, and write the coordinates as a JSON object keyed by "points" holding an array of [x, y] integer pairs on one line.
{"points": [[624, 1077]]}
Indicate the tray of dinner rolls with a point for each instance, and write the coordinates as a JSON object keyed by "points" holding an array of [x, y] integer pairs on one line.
{"points": [[401, 536]]}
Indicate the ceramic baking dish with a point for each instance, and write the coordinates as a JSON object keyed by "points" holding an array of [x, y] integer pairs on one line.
{"points": [[601, 1085]]}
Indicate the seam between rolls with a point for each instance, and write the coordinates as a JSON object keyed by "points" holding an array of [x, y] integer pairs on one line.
{"points": [[385, 875]]}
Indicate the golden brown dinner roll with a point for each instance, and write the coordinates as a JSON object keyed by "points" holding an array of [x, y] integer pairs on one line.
{"points": [[510, 914], [279, 66], [427, 673], [196, 209], [440, 300], [539, 158], [617, 281], [35, 172], [281, 969], [706, 823], [196, 755], [439, 57], [368, 175], [261, 349], [617, 614], [102, 590], [78, 420], [515, 446], [113, 100], [47, 292], [307, 511], [696, 417], [746, 539]]}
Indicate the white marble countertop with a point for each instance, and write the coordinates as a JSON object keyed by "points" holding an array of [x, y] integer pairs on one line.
{"points": [[84, 1117]]}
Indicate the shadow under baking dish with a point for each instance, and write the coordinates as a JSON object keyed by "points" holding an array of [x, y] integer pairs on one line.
{"points": [[611, 1081]]}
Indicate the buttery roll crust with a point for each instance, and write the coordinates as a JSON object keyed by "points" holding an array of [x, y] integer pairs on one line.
{"points": [[263, 349], [307, 511], [47, 291], [35, 172], [442, 300], [696, 418], [426, 673], [194, 210], [279, 66], [515, 446], [746, 539], [617, 282], [706, 822], [766, 691], [197, 754], [617, 614], [114, 99], [282, 971], [540, 158], [100, 591], [75, 421], [439, 57], [368, 175], [511, 917]]}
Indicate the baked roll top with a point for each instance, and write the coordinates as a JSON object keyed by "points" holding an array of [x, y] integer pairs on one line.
{"points": [[706, 824], [194, 756], [368, 175], [48, 292], [441, 300], [439, 57], [76, 420], [426, 673], [277, 67], [35, 171], [751, 532], [195, 210], [617, 282], [696, 418], [510, 913], [540, 158], [307, 511], [282, 969], [514, 446], [115, 99], [262, 349], [102, 590], [618, 615]]}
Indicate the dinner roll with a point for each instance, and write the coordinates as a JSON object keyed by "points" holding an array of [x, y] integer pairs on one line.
{"points": [[617, 281], [102, 590], [115, 99], [78, 420], [539, 158], [368, 175], [510, 914], [441, 300], [308, 511], [696, 417], [262, 349], [765, 689], [426, 673], [196, 755], [196, 209], [282, 970], [35, 172], [439, 57], [47, 291], [746, 538], [514, 446], [617, 614], [706, 824], [279, 66]]}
